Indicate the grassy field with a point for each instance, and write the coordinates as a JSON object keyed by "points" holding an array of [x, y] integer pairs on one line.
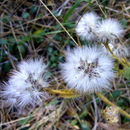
{"points": [[30, 29]]}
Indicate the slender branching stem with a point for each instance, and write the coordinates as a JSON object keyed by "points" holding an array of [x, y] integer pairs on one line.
{"points": [[101, 9], [79, 41], [126, 61], [114, 56]]}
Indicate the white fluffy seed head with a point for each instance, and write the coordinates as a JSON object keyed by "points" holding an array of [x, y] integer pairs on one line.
{"points": [[87, 69], [109, 29], [35, 68], [118, 49], [25, 85], [87, 26]]}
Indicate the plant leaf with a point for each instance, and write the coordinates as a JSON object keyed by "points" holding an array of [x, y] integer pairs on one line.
{"points": [[126, 73], [73, 8], [65, 93]]}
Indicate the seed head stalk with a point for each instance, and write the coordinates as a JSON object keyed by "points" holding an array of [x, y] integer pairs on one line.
{"points": [[114, 56], [126, 61]]}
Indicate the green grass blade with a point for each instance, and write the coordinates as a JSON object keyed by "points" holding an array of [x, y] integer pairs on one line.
{"points": [[73, 8]]}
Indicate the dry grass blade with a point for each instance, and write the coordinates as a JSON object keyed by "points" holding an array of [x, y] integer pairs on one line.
{"points": [[52, 117], [14, 121], [59, 23]]}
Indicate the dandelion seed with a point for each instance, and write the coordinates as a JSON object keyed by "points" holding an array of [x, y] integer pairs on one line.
{"points": [[24, 87], [87, 69], [87, 26], [109, 29]]}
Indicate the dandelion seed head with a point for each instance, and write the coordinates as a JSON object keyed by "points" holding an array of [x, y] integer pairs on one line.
{"points": [[24, 87], [35, 65], [87, 26], [87, 69], [25, 99], [109, 29]]}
